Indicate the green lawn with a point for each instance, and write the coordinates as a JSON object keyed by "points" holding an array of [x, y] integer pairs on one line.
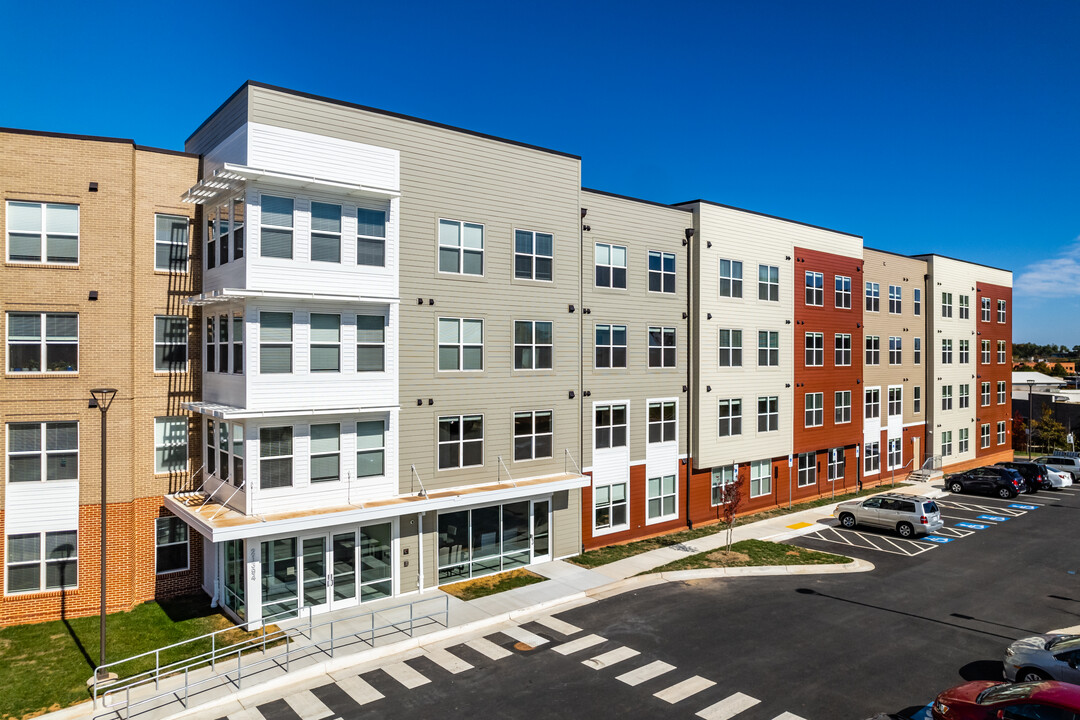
{"points": [[753, 552], [46, 665], [482, 587]]}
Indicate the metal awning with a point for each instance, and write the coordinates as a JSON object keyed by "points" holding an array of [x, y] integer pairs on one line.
{"points": [[229, 294], [231, 178], [231, 412]]}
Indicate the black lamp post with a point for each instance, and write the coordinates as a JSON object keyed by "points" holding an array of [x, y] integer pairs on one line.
{"points": [[1031, 416], [102, 399]]}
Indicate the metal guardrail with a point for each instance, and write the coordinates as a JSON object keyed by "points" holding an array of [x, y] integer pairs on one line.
{"points": [[115, 695]]}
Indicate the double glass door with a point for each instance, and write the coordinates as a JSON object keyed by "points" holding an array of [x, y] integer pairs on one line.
{"points": [[341, 569]]}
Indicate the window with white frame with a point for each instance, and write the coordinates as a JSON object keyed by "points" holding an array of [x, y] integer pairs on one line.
{"points": [[985, 394], [210, 451], [370, 448], [984, 305], [275, 342], [610, 346], [325, 452], [42, 233], [275, 457], [461, 441], [916, 399], [873, 297], [219, 220], [985, 346], [238, 206], [815, 288], [916, 301], [769, 283], [962, 441], [534, 253], [238, 344], [768, 348], [872, 397], [461, 344], [224, 467], [171, 243], [171, 551], [842, 296], [660, 497], [837, 461], [43, 342], [1001, 392], [661, 272], [760, 478], [842, 349], [1001, 352], [609, 426], [170, 343], [170, 444], [842, 407], [610, 266], [946, 351], [1001, 432], [896, 401], [731, 278], [895, 300], [1001, 315], [895, 454], [210, 215], [461, 247], [965, 307], [662, 422], [872, 457], [946, 397], [722, 479], [946, 305], [533, 432], [609, 506], [963, 396], [210, 344], [276, 227], [662, 347], [984, 435], [814, 409], [223, 343], [895, 350], [370, 343], [965, 352], [371, 238], [730, 417], [807, 469], [768, 414], [916, 349], [325, 342], [873, 350], [532, 345], [42, 561], [815, 349], [730, 348], [42, 451], [325, 232]]}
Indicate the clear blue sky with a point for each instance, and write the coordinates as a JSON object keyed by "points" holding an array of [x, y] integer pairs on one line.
{"points": [[939, 125]]}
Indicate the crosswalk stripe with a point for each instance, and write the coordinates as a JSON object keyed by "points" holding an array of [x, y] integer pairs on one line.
{"points": [[447, 661], [646, 672], [683, 690], [488, 648], [359, 690], [788, 716], [558, 625], [307, 706], [729, 707], [405, 675], [522, 635], [580, 644], [610, 658], [248, 714]]}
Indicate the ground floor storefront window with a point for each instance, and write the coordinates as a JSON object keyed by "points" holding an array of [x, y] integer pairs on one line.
{"points": [[491, 539]]}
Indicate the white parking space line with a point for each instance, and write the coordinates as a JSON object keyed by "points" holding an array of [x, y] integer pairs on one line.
{"points": [[559, 626], [729, 707], [683, 690], [448, 661], [488, 648], [522, 635], [580, 644], [359, 690], [853, 538], [788, 716], [973, 507], [645, 672], [307, 706], [954, 532], [610, 658], [249, 714], [405, 675], [968, 519]]}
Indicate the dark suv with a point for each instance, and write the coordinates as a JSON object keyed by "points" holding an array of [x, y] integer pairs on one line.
{"points": [[1034, 474], [1003, 482]]}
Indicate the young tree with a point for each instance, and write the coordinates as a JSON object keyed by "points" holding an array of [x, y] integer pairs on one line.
{"points": [[731, 497], [1048, 432], [1019, 432]]}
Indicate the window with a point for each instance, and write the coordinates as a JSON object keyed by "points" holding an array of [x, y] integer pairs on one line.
{"points": [[965, 307], [873, 350], [730, 417], [837, 460], [842, 406], [43, 451], [533, 254], [946, 397], [946, 351], [325, 452], [170, 343], [964, 396], [660, 498], [170, 243], [895, 299], [170, 545], [916, 300], [661, 347], [896, 401], [814, 415], [916, 399], [370, 343], [768, 414], [211, 448], [843, 292], [223, 450], [210, 346], [31, 570], [1001, 352], [610, 266], [325, 232], [211, 238], [461, 441], [532, 345], [370, 448], [730, 278], [984, 435], [872, 397], [917, 350], [985, 394], [275, 457], [238, 344], [815, 349], [461, 344], [871, 457], [371, 239], [43, 233], [873, 297], [807, 469], [609, 506], [895, 456], [1001, 311], [662, 422], [760, 478], [610, 426], [461, 247], [895, 351], [532, 435], [722, 478], [730, 348], [1001, 392], [277, 227], [661, 272], [946, 305], [223, 343], [610, 346], [965, 352], [325, 343], [984, 304], [32, 351], [985, 345], [1001, 432], [170, 444], [768, 283], [238, 228], [815, 288], [962, 441], [275, 342], [842, 349], [768, 354], [222, 236]]}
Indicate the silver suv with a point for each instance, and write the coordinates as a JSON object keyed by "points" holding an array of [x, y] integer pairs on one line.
{"points": [[909, 515], [1068, 465]]}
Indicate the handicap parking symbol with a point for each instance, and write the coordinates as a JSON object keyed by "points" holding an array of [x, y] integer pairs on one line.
{"points": [[936, 539], [994, 518], [971, 526], [1021, 506]]}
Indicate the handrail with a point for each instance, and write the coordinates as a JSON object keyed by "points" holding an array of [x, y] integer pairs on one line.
{"points": [[568, 454], [502, 465], [423, 490], [231, 496]]}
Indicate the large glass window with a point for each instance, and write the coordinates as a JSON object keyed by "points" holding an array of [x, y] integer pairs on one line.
{"points": [[609, 425], [325, 343], [662, 422], [483, 541], [370, 448], [277, 227], [170, 545], [532, 345], [42, 232], [279, 577], [170, 343], [325, 452], [171, 243], [609, 506], [661, 272], [461, 441], [235, 577], [42, 561], [42, 451], [660, 496], [534, 253], [238, 344], [170, 444], [533, 434], [461, 247], [461, 344], [376, 563], [610, 346], [325, 232], [30, 350], [760, 478], [371, 237], [731, 278], [275, 457], [610, 266], [275, 348], [370, 343]]}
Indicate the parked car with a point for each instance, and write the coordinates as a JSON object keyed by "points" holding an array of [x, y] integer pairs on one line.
{"points": [[1003, 482], [1034, 474], [909, 515], [1060, 463], [1044, 657], [984, 700], [1057, 478]]}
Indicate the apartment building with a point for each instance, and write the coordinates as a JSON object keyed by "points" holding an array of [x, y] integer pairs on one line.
{"points": [[96, 268]]}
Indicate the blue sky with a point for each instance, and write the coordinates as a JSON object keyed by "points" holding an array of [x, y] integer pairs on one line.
{"points": [[923, 126]]}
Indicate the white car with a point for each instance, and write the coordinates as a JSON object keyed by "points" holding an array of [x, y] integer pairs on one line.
{"points": [[1058, 479]]}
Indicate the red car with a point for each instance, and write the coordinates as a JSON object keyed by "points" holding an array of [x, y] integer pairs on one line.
{"points": [[986, 700]]}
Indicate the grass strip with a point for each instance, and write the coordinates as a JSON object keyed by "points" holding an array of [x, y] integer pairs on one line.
{"points": [[491, 584], [748, 553]]}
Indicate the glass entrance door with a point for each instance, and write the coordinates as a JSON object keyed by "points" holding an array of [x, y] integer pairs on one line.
{"points": [[541, 530], [279, 586], [313, 571], [343, 580]]}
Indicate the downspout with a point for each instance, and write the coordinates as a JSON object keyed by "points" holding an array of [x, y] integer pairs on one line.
{"points": [[690, 318], [420, 549], [581, 355]]}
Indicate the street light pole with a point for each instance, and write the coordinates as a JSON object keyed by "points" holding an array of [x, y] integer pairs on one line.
{"points": [[1031, 416], [102, 399]]}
